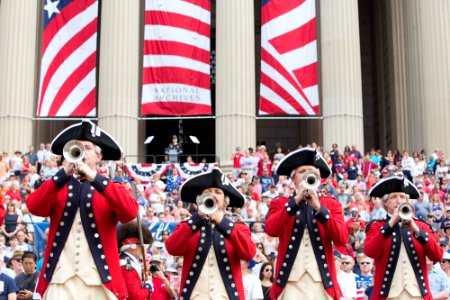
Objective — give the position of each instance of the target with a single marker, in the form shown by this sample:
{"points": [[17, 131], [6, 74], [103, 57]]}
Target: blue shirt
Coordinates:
{"points": [[438, 280], [9, 286]]}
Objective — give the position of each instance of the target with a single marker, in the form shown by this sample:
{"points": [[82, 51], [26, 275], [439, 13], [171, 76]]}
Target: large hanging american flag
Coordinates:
{"points": [[69, 58], [176, 76], [289, 78]]}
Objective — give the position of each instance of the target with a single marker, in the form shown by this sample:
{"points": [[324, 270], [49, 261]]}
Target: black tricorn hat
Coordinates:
{"points": [[130, 232], [394, 184], [88, 131], [194, 186], [303, 157]]}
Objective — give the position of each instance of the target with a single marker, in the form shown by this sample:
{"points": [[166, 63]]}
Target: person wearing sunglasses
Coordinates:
{"points": [[266, 277], [345, 279], [398, 245], [364, 280], [445, 264]]}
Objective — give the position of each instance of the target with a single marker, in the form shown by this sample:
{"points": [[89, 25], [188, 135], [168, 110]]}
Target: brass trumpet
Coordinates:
{"points": [[207, 203], [73, 151], [405, 211]]}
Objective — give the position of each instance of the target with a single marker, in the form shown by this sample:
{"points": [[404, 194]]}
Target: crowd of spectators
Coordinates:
{"points": [[354, 173]]}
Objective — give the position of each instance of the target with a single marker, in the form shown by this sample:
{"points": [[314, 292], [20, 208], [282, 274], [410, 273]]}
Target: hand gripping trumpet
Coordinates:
{"points": [[310, 181], [207, 204]]}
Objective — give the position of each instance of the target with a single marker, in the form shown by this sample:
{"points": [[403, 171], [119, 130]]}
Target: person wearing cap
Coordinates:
{"points": [[84, 207], [251, 282], [400, 247], [212, 245], [163, 288], [445, 264], [345, 279], [131, 254], [306, 227], [445, 222]]}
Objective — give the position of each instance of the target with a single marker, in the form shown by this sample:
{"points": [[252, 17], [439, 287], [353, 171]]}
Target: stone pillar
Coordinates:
{"points": [[414, 74], [120, 65], [341, 74], [18, 76], [235, 78], [435, 41]]}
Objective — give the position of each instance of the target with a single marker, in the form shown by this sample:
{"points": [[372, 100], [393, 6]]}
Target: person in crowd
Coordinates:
{"points": [[236, 157], [9, 290], [421, 208], [132, 253], [445, 264], [12, 220], [84, 209], [15, 263], [355, 217], [162, 288], [22, 245], [352, 172], [251, 283], [173, 181], [266, 278], [27, 280], [211, 243], [437, 208], [399, 247], [306, 226], [103, 169], [346, 280], [439, 283], [378, 212], [364, 280], [445, 222]]}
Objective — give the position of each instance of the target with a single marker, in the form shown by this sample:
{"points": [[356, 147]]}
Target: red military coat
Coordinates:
{"points": [[130, 269], [231, 241], [102, 204], [383, 245], [286, 219]]}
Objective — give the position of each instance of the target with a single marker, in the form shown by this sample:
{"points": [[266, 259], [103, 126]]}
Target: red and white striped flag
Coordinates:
{"points": [[289, 78], [69, 57], [176, 76]]}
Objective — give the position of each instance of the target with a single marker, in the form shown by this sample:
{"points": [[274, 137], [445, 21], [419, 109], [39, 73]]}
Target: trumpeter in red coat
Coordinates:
{"points": [[100, 205], [289, 217], [400, 247], [203, 237]]}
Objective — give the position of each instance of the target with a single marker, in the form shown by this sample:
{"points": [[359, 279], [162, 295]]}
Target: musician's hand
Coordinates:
{"points": [[310, 196], [86, 172], [395, 219], [69, 168]]}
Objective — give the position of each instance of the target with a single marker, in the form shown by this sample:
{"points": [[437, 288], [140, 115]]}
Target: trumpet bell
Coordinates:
{"points": [[207, 204], [405, 211], [311, 180], [73, 151]]}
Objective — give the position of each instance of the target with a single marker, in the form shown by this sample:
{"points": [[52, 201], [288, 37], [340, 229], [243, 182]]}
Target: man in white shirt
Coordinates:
{"points": [[252, 284], [346, 280]]}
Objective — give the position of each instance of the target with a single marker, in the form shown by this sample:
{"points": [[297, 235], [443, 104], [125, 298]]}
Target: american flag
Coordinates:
{"points": [[176, 75], [69, 57], [289, 80]]}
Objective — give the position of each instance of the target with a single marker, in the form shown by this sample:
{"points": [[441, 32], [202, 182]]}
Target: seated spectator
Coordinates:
{"points": [[150, 216], [344, 198], [354, 218], [378, 212], [9, 289], [168, 215], [22, 245], [364, 280], [421, 208], [445, 221], [438, 280], [357, 238], [445, 264], [266, 181], [346, 280], [266, 277], [272, 192], [173, 181], [251, 283], [26, 281], [15, 263]]}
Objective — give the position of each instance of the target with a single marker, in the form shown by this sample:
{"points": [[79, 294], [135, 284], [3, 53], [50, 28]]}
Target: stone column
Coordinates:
{"points": [[18, 77], [120, 65], [341, 74], [235, 78], [397, 75], [435, 41]]}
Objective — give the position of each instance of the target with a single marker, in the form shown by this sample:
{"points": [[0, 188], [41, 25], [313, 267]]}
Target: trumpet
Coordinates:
{"points": [[405, 211], [310, 180], [207, 203], [73, 151]]}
